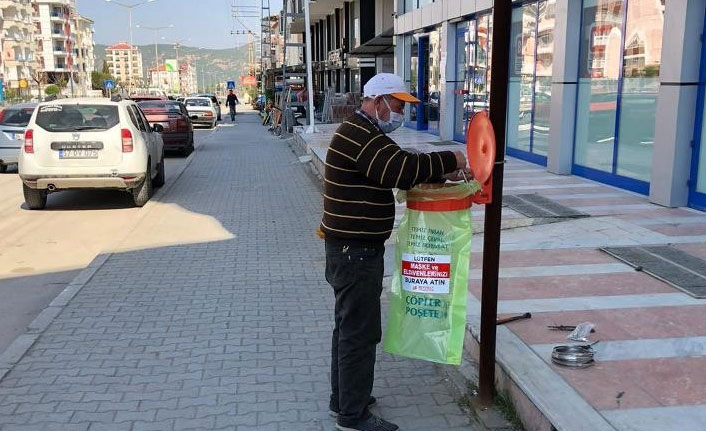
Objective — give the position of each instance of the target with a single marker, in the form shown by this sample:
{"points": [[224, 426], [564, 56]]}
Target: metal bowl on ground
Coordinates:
{"points": [[576, 356]]}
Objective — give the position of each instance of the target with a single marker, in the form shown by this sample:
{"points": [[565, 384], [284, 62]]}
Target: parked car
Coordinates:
{"points": [[144, 97], [178, 131], [13, 121], [90, 143], [202, 110], [216, 103]]}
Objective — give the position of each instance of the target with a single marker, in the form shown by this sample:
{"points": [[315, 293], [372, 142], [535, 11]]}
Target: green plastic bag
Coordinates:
{"points": [[427, 302]]}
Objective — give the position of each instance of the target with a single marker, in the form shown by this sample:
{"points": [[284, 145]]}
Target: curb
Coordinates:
{"points": [[21, 345]]}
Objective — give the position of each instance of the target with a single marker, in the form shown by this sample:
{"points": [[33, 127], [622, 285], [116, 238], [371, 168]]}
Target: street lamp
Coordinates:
{"points": [[155, 30], [177, 44], [129, 8]]}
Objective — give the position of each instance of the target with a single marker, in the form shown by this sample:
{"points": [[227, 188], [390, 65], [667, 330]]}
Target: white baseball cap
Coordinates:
{"points": [[388, 84]]}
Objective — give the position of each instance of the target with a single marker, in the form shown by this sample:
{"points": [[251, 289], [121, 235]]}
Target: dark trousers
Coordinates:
{"points": [[355, 271], [232, 112]]}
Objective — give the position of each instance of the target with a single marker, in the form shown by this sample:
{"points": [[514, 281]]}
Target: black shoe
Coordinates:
{"points": [[373, 423], [333, 412]]}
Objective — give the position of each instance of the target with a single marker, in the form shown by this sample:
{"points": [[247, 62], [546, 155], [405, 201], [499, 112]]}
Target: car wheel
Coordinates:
{"points": [[142, 193], [159, 179], [3, 168], [35, 199]]}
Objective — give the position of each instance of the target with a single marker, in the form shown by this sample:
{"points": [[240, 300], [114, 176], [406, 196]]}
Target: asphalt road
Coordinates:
{"points": [[42, 251]]}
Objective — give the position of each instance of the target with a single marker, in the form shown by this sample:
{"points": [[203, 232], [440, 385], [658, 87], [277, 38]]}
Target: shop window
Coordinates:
{"points": [[472, 86], [621, 48], [530, 83]]}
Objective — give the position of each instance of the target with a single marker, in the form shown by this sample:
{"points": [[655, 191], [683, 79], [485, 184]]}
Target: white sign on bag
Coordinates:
{"points": [[426, 273]]}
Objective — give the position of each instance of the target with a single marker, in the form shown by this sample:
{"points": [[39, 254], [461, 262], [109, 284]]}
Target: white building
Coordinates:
{"points": [[125, 63], [17, 42], [83, 52], [189, 81], [54, 38], [167, 78]]}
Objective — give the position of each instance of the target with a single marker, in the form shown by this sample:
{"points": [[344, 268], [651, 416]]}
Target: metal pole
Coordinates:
{"points": [[129, 14], [502, 20], [156, 54], [309, 82]]}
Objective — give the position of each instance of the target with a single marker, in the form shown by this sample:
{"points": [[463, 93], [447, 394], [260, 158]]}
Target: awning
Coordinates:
{"points": [[379, 46]]}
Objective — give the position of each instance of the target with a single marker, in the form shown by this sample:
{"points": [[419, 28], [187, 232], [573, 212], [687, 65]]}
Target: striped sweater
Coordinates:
{"points": [[363, 165]]}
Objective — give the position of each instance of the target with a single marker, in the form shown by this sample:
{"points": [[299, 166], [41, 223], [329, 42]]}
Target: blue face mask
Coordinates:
{"points": [[395, 121]]}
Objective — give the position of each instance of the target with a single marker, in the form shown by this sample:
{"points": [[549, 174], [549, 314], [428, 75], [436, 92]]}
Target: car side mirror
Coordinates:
{"points": [[158, 128]]}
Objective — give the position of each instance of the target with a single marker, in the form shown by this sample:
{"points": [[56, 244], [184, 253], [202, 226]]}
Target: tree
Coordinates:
{"points": [[105, 70], [39, 78], [52, 90]]}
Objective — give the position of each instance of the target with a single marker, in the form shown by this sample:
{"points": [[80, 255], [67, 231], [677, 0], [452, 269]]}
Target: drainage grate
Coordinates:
{"points": [[675, 267], [536, 206]]}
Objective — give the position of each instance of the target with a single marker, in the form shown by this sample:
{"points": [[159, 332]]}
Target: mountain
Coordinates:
{"points": [[226, 63]]}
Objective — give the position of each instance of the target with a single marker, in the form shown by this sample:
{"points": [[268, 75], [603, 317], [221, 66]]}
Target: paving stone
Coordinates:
{"points": [[230, 334]]}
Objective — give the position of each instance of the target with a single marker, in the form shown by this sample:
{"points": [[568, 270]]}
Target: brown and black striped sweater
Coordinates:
{"points": [[363, 165]]}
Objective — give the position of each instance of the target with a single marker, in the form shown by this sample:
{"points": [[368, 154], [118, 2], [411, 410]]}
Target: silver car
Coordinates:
{"points": [[13, 121]]}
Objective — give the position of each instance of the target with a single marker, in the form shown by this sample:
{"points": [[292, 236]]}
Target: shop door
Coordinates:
{"points": [[419, 114]]}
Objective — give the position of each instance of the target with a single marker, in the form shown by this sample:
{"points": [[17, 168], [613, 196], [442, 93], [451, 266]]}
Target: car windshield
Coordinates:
{"points": [[161, 106], [197, 102], [16, 116], [71, 118]]}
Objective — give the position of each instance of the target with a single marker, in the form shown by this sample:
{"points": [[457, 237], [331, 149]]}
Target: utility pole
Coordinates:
{"points": [[502, 23]]}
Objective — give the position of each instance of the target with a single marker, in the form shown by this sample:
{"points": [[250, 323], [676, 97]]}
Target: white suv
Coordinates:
{"points": [[90, 144]]}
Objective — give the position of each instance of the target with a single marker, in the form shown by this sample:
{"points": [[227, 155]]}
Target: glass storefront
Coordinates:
{"points": [[529, 87], [621, 50], [472, 80], [697, 181], [425, 80]]}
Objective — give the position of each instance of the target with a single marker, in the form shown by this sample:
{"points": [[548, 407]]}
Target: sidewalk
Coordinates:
{"points": [[649, 373], [227, 327]]}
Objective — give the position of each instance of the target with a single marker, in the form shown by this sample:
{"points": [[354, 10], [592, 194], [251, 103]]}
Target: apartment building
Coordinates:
{"points": [[351, 41], [55, 40], [125, 63], [17, 41], [83, 52]]}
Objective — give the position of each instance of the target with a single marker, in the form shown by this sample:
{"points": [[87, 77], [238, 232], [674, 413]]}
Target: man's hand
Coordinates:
{"points": [[460, 160], [459, 175]]}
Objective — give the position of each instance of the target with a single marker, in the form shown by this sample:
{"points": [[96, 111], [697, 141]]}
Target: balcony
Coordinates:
{"points": [[59, 35]]}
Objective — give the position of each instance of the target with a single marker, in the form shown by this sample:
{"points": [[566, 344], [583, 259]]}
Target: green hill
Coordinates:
{"points": [[226, 63]]}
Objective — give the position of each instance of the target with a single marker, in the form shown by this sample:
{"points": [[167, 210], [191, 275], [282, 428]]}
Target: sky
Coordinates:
{"points": [[198, 23]]}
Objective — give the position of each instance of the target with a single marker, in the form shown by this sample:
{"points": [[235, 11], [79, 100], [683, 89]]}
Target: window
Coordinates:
{"points": [[71, 118], [529, 90], [621, 50], [16, 116]]}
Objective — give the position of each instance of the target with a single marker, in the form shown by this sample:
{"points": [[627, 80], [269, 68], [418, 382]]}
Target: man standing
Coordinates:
{"points": [[231, 101], [363, 165]]}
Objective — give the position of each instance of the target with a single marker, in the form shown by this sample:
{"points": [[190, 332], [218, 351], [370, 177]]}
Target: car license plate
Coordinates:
{"points": [[78, 154]]}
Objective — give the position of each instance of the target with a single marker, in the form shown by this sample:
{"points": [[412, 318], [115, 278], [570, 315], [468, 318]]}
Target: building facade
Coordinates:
{"points": [[17, 41], [83, 53], [55, 40], [611, 90], [125, 63], [188, 79]]}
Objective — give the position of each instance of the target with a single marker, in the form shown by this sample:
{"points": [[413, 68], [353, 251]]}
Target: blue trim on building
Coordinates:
{"points": [[637, 186], [696, 199], [527, 156]]}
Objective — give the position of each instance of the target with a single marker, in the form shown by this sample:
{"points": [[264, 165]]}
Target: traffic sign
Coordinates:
{"points": [[230, 85], [108, 84]]}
